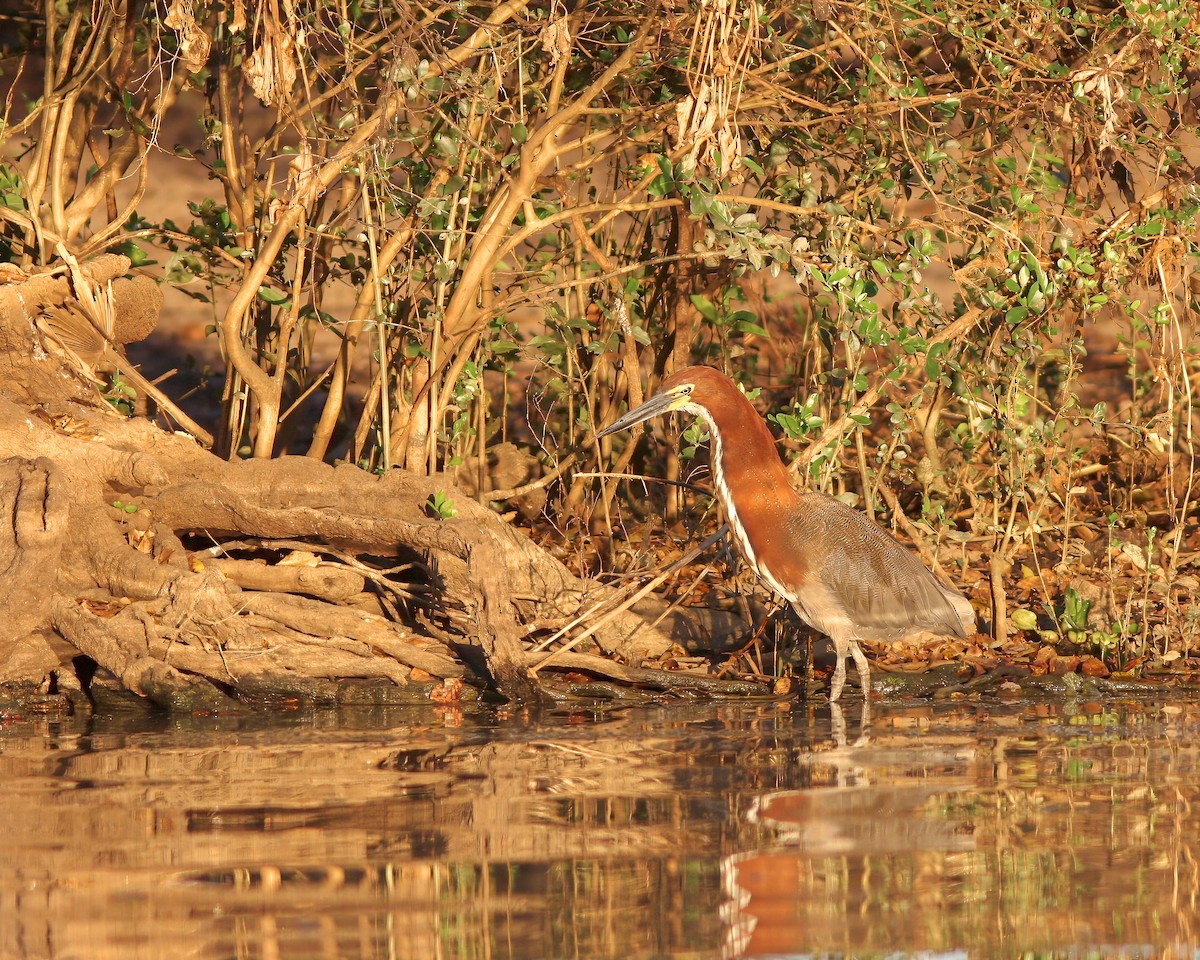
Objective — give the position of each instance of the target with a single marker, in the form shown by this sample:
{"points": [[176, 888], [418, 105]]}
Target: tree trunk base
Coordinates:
{"points": [[192, 580]]}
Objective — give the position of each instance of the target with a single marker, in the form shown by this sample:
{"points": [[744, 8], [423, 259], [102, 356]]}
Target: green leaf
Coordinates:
{"points": [[182, 268], [660, 186], [1075, 609], [440, 506], [137, 256], [705, 307], [271, 295], [550, 346]]}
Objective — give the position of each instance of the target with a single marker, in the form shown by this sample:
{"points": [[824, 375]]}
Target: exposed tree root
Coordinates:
{"points": [[186, 576]]}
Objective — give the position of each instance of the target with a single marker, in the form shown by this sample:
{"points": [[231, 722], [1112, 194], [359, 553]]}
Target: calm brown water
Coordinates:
{"points": [[1069, 829]]}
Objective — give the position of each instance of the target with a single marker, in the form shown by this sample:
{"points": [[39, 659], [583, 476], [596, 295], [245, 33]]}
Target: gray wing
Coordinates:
{"points": [[880, 585]]}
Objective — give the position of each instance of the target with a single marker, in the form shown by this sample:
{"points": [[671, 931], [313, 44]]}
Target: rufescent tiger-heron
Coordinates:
{"points": [[843, 574]]}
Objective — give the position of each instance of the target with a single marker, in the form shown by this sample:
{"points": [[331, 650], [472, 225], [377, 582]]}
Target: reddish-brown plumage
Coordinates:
{"points": [[843, 574], [746, 463]]}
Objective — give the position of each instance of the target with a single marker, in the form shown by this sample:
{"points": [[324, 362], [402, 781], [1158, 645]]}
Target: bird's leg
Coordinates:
{"points": [[864, 669], [838, 680]]}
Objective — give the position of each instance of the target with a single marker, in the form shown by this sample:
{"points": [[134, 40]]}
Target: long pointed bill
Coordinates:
{"points": [[651, 408]]}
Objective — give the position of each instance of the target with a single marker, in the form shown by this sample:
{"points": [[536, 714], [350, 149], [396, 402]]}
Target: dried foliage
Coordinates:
{"points": [[954, 243]]}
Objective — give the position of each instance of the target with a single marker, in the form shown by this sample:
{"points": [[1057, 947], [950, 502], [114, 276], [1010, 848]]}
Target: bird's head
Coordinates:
{"points": [[697, 390]]}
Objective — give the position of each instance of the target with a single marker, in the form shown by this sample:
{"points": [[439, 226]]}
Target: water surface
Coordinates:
{"points": [[729, 830]]}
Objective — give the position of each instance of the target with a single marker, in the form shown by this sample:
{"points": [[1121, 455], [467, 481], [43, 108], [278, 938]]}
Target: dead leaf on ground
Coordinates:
{"points": [[449, 692]]}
